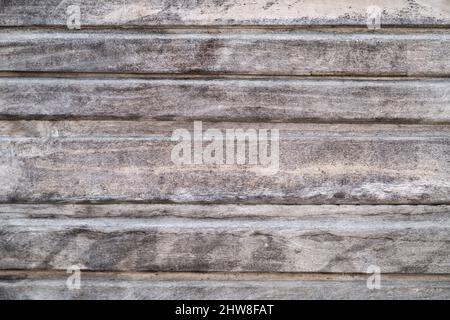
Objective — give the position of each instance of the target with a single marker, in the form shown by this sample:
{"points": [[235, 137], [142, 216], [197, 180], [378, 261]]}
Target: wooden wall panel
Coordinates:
{"points": [[229, 12], [258, 239], [132, 161], [140, 286], [87, 179], [288, 100], [221, 211], [299, 53]]}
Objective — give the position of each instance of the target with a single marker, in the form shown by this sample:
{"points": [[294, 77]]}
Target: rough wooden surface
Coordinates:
{"points": [[300, 239], [304, 52], [321, 100], [232, 211], [227, 12], [198, 286], [131, 161], [364, 172]]}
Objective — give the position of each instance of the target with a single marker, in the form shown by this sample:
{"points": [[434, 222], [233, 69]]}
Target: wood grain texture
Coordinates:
{"points": [[298, 53], [217, 211], [249, 239], [324, 100], [104, 161], [198, 286], [227, 12], [364, 152]]}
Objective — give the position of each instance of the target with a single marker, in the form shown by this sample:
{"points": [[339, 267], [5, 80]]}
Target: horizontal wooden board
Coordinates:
{"points": [[324, 239], [328, 100], [228, 12], [222, 211], [198, 286], [230, 52], [77, 161]]}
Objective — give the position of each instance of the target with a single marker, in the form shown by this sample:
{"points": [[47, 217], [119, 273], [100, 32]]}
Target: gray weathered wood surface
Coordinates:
{"points": [[317, 100], [183, 286], [227, 12], [218, 211], [131, 161], [303, 52], [86, 176], [252, 238]]}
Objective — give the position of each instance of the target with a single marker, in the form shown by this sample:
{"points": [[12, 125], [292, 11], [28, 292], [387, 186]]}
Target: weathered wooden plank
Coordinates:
{"points": [[383, 233], [132, 161], [230, 52], [218, 211], [405, 239], [328, 100], [229, 12], [408, 241], [218, 290], [17, 285]]}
